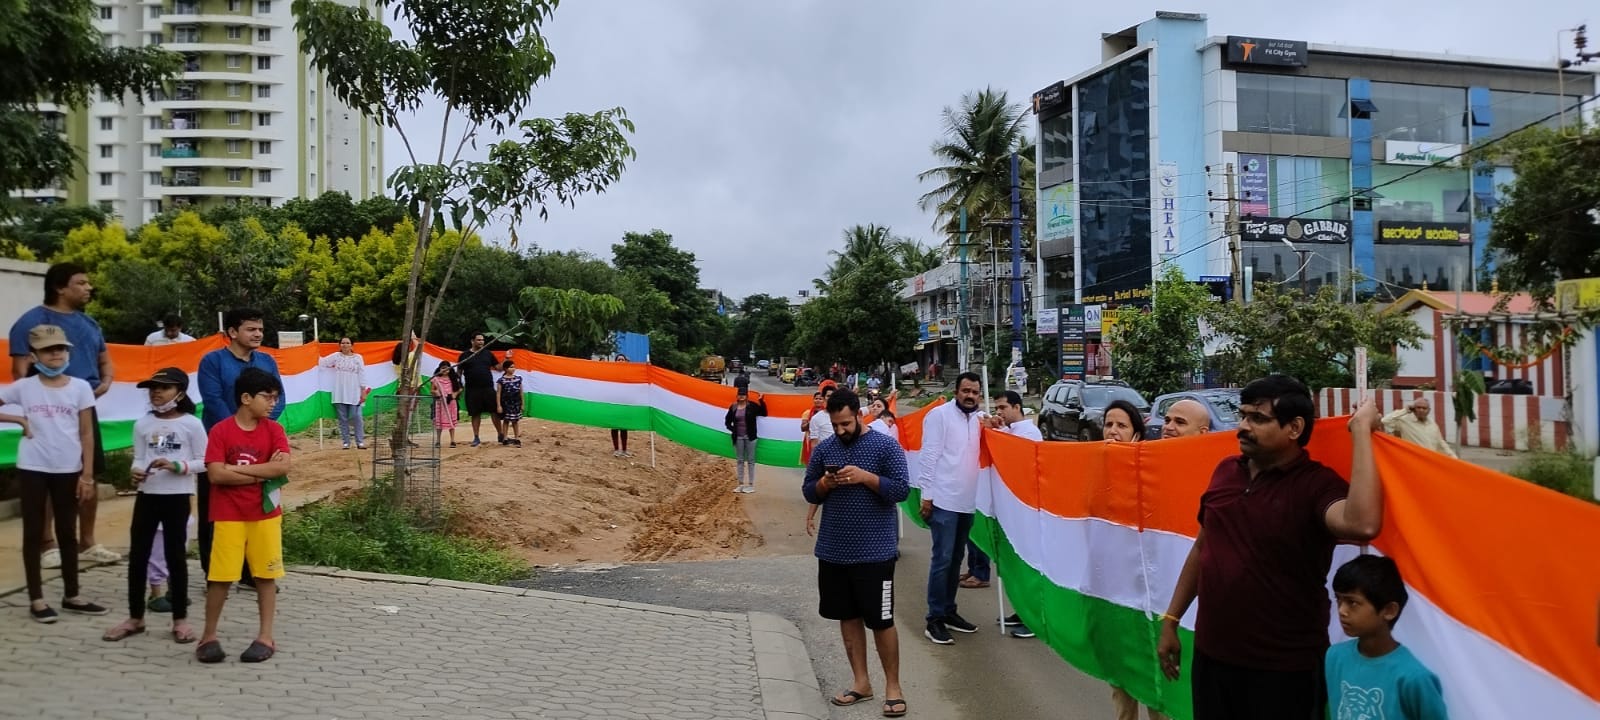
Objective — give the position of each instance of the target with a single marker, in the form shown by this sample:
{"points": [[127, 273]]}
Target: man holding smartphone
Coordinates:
{"points": [[858, 477]]}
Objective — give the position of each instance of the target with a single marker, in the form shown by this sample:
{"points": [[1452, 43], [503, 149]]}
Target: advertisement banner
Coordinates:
{"points": [[1423, 233], [1254, 186], [1405, 152], [1164, 214], [1266, 51], [1047, 323], [1056, 208], [1296, 230], [1072, 343]]}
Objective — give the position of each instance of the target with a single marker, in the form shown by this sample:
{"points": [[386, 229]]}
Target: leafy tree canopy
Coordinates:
{"points": [[1158, 352]]}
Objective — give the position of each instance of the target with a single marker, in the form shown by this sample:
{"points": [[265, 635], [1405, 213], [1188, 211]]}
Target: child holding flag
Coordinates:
{"points": [[247, 460]]}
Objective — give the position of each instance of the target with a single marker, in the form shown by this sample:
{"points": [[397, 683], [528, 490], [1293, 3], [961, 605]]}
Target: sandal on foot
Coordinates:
{"points": [[210, 653], [972, 582], [889, 705], [122, 631], [257, 652], [182, 634], [848, 698]]}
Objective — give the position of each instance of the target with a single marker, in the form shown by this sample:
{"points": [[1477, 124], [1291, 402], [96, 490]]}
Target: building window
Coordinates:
{"points": [[155, 207], [1420, 113], [263, 91], [234, 89], [235, 61], [1426, 195], [1290, 105], [1306, 268], [105, 151], [105, 179], [263, 34], [105, 13], [263, 119], [105, 123], [235, 32], [155, 151], [1055, 150], [263, 7], [107, 207], [155, 12], [264, 176], [235, 5], [153, 38], [1281, 187], [264, 147], [263, 63], [235, 175], [233, 146], [1513, 111], [155, 123], [233, 117], [1113, 110], [153, 178]]}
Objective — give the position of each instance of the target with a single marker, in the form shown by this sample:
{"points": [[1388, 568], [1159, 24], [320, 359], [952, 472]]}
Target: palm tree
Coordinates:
{"points": [[861, 243], [914, 257], [980, 136]]}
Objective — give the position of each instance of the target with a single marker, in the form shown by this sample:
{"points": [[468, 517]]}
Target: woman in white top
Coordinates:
{"points": [[349, 390]]}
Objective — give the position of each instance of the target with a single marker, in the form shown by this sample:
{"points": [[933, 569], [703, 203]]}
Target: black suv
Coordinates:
{"points": [[1073, 409]]}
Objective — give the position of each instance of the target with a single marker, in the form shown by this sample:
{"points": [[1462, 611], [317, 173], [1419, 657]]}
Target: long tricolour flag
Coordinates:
{"points": [[627, 396], [1504, 575]]}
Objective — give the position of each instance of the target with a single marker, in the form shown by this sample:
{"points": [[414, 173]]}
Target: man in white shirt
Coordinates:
{"points": [[171, 333], [1412, 424], [1009, 418], [947, 473]]}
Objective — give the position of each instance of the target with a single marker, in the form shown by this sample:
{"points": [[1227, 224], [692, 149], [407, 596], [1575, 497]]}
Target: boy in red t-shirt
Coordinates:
{"points": [[247, 457]]}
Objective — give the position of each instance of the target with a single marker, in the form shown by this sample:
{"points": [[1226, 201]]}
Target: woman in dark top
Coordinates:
{"points": [[741, 424]]}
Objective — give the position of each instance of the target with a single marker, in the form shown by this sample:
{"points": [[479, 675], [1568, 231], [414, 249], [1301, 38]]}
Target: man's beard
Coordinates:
{"points": [[852, 436]]}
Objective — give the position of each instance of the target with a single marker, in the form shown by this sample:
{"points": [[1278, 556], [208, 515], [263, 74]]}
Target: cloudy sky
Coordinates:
{"points": [[767, 127]]}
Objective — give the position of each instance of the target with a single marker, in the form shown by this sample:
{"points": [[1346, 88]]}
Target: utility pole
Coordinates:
{"points": [[1233, 237], [963, 343], [1016, 256]]}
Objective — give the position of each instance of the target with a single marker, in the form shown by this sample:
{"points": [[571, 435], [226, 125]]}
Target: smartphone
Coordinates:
{"points": [[834, 468]]}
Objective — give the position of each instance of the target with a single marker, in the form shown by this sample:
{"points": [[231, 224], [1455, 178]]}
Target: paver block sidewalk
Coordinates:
{"points": [[352, 648]]}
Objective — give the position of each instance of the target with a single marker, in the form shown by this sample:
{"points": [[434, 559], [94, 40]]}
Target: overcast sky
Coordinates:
{"points": [[766, 128]]}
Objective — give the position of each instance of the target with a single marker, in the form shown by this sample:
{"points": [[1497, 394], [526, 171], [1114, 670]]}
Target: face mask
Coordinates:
{"points": [[49, 372], [166, 406]]}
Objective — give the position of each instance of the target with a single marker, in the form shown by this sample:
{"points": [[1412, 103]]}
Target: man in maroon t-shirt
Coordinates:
{"points": [[1268, 525]]}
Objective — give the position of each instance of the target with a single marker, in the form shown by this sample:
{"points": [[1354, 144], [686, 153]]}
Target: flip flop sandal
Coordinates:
{"points": [[887, 704], [972, 582], [122, 632], [183, 636], [210, 653], [854, 696], [257, 652]]}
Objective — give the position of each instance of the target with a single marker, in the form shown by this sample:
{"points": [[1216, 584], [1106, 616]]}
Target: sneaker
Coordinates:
{"points": [[738, 488], [749, 489], [100, 554], [83, 608], [51, 559], [959, 624], [1010, 621], [938, 634], [346, 446], [627, 454], [476, 442], [359, 446], [159, 604], [46, 616], [616, 453], [1021, 631]]}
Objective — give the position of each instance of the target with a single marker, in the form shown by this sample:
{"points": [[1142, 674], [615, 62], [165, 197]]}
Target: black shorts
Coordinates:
{"points": [[862, 591], [99, 445], [480, 400], [1223, 691]]}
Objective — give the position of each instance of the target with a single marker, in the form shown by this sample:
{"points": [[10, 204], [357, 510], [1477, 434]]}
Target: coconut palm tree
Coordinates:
{"points": [[914, 257], [980, 135], [861, 243]]}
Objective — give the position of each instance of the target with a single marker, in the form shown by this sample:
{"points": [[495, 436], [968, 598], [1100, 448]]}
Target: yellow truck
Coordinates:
{"points": [[712, 367]]}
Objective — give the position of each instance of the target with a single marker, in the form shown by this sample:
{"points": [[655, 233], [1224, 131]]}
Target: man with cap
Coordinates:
{"points": [[66, 293]]}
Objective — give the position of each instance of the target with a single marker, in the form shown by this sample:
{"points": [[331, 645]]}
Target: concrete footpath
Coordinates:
{"points": [[361, 645]]}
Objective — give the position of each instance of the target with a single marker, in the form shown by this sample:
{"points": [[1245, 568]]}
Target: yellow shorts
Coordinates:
{"points": [[235, 541]]}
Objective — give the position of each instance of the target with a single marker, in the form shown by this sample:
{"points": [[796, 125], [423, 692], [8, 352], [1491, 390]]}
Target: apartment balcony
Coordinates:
{"points": [[184, 9], [179, 152]]}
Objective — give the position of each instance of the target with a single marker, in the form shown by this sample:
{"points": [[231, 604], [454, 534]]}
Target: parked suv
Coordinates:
{"points": [[1074, 409]]}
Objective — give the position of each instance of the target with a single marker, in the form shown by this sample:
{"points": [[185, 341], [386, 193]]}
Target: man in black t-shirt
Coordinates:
{"points": [[477, 376]]}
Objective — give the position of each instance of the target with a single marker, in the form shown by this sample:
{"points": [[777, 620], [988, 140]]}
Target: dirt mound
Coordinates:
{"points": [[562, 497]]}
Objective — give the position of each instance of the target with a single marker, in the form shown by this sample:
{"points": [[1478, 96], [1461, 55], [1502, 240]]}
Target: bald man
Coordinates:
{"points": [[1185, 418], [1412, 424]]}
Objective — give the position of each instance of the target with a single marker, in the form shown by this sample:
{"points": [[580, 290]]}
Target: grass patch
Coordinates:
{"points": [[1563, 472], [366, 532]]}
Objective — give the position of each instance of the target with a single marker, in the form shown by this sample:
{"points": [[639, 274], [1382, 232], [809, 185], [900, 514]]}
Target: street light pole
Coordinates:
{"points": [[1016, 256]]}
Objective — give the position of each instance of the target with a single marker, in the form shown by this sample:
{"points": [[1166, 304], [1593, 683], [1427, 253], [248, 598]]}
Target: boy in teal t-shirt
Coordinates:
{"points": [[1373, 676]]}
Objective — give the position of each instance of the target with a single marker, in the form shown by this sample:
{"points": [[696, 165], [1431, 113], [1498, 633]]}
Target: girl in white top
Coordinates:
{"points": [[54, 461], [169, 450]]}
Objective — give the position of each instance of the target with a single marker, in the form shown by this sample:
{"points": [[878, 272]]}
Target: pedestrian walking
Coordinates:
{"points": [[1268, 524], [349, 391], [858, 478], [67, 292], [948, 476], [508, 403], [443, 386], [619, 437], [169, 449], [741, 422], [477, 367]]}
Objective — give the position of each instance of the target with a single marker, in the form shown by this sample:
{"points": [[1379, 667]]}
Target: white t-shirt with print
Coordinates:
{"points": [[180, 439], [52, 414]]}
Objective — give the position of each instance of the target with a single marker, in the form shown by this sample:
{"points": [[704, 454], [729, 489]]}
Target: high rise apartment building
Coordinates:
{"points": [[247, 120]]}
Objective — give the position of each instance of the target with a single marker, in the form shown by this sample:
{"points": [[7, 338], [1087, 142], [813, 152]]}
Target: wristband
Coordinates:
{"points": [[1168, 616]]}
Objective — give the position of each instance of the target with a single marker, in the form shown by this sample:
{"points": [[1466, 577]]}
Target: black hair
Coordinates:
{"points": [[1288, 397], [239, 316], [1377, 578], [844, 398], [968, 375], [172, 321], [254, 381], [507, 365], [455, 379], [1135, 418], [1011, 396], [59, 276], [887, 413], [186, 404]]}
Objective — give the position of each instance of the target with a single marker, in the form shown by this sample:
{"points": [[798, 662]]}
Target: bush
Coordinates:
{"points": [[1563, 472], [366, 532]]}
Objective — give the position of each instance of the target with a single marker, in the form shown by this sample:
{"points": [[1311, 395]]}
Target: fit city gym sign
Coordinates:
{"points": [[1423, 233], [1405, 152], [1266, 51]]}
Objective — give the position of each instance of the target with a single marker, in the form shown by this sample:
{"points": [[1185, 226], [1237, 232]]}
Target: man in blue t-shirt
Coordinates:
{"points": [[66, 293], [858, 478], [219, 369]]}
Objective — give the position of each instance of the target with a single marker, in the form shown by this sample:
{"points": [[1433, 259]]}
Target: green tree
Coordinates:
{"points": [[1312, 338], [861, 243], [1158, 352], [558, 321], [974, 172], [1546, 228], [41, 229], [52, 53], [488, 279], [862, 321], [915, 258], [691, 327]]}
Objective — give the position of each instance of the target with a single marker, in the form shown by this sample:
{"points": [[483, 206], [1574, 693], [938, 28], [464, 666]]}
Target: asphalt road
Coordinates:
{"points": [[983, 675]]}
